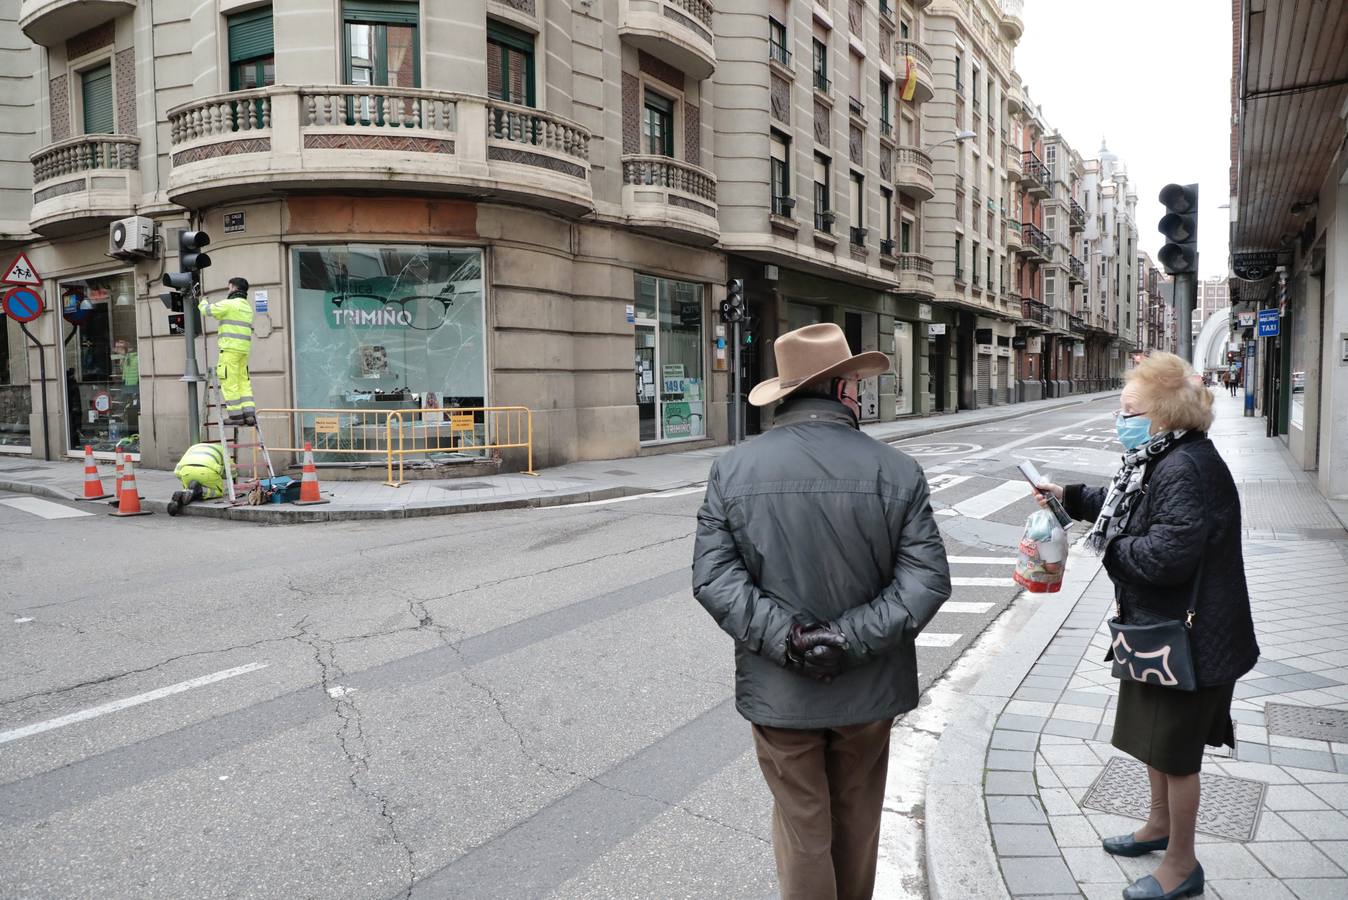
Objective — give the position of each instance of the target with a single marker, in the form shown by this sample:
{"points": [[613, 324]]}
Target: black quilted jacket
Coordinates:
{"points": [[1182, 545]]}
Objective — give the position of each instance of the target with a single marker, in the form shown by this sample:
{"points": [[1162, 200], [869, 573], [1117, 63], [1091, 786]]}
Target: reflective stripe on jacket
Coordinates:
{"points": [[208, 456], [235, 315]]}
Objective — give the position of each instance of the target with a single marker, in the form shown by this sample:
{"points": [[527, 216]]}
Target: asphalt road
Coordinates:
{"points": [[518, 704]]}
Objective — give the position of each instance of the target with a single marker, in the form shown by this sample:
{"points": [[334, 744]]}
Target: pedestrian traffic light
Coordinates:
{"points": [[732, 307], [190, 257], [1179, 225], [172, 300]]}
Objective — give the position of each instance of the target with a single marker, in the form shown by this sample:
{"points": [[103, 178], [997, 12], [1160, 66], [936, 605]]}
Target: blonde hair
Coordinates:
{"points": [[1172, 394]]}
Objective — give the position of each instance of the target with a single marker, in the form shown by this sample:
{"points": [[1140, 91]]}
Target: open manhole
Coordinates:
{"points": [[1312, 723], [1229, 807], [467, 486]]}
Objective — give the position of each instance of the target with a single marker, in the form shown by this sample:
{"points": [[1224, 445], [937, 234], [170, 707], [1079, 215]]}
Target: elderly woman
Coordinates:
{"points": [[1168, 527]]}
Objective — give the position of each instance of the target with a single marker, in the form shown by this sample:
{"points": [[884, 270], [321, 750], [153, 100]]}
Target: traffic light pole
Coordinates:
{"points": [[737, 407], [1186, 290], [191, 373]]}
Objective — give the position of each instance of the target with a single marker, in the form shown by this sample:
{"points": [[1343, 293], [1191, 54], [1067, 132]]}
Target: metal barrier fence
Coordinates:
{"points": [[379, 435]]}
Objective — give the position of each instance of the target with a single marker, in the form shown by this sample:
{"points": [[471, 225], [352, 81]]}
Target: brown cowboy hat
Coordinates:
{"points": [[815, 353]]}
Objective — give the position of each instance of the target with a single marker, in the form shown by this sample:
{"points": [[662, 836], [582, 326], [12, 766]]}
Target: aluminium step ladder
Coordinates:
{"points": [[230, 445]]}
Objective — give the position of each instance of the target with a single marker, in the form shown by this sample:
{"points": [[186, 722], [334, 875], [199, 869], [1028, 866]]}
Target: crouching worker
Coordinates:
{"points": [[202, 473]]}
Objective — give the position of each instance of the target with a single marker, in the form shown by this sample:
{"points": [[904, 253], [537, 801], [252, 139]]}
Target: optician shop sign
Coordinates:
{"points": [[372, 318]]}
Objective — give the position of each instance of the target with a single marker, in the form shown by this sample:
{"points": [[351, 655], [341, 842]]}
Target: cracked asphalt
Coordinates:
{"points": [[518, 704]]}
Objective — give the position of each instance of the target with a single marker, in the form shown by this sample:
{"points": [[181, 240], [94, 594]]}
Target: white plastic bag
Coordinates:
{"points": [[1042, 560]]}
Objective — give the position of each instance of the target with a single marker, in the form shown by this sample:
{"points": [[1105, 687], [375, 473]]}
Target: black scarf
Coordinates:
{"points": [[1126, 488]]}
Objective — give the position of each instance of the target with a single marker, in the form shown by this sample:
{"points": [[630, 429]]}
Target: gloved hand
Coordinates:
{"points": [[816, 650]]}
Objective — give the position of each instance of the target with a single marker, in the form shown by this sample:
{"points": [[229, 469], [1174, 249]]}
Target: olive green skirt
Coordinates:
{"points": [[1168, 729]]}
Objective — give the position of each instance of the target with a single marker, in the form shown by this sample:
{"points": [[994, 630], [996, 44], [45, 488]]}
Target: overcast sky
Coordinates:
{"points": [[1098, 69]]}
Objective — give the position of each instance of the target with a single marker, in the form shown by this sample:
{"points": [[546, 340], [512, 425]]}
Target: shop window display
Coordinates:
{"points": [[16, 394], [102, 364], [389, 327], [670, 392]]}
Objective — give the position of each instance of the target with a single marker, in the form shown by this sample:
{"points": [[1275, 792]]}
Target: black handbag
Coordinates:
{"points": [[1152, 649]]}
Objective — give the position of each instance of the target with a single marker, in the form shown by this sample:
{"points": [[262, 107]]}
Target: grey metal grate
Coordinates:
{"points": [[1312, 723], [1229, 807]]}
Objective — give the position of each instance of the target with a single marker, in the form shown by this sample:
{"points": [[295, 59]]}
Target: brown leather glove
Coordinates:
{"points": [[818, 651]]}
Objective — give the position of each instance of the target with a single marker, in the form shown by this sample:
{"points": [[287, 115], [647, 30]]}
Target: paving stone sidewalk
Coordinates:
{"points": [[580, 482], [1274, 818]]}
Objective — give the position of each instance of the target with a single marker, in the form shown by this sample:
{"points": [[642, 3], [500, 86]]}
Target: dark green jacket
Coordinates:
{"points": [[816, 522]]}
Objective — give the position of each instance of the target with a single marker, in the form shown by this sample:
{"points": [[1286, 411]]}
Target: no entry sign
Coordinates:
{"points": [[23, 304]]}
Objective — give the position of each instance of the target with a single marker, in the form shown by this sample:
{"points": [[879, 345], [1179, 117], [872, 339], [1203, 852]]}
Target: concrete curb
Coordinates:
{"points": [[961, 861]]}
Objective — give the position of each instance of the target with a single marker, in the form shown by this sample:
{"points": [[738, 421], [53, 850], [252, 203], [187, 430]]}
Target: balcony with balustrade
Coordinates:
{"points": [[1038, 316], [1013, 163], [678, 32], [1015, 95], [1035, 176], [1014, 241], [906, 50], [915, 276], [1013, 19], [344, 137], [1035, 245], [913, 173], [1076, 270], [1076, 217], [670, 198], [84, 183], [50, 23]]}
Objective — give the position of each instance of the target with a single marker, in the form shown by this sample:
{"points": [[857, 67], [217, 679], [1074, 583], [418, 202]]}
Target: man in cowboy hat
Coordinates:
{"points": [[818, 552]]}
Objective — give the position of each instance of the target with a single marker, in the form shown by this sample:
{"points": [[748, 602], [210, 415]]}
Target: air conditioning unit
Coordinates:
{"points": [[131, 237]]}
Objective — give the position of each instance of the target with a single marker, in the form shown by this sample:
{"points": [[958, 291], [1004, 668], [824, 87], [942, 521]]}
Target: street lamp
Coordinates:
{"points": [[958, 137]]}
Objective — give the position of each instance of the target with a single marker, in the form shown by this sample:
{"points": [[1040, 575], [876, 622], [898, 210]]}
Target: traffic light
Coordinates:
{"points": [[172, 300], [190, 257], [178, 283], [1179, 225], [732, 307]]}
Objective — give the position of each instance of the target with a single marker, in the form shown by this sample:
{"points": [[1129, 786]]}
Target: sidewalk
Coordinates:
{"points": [[580, 482], [1032, 783]]}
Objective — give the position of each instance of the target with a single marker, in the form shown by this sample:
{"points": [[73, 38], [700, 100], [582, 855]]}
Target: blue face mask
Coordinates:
{"points": [[1133, 431]]}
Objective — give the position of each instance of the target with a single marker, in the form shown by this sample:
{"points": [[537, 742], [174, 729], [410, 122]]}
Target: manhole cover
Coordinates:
{"points": [[618, 472], [1229, 807], [1313, 723], [469, 486]]}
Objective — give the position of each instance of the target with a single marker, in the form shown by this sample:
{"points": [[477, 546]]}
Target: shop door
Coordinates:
{"points": [[645, 379], [938, 355], [862, 333], [984, 395], [965, 349]]}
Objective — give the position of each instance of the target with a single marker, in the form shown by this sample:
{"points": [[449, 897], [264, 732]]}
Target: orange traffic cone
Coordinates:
{"points": [[129, 501], [117, 491], [93, 487], [309, 480]]}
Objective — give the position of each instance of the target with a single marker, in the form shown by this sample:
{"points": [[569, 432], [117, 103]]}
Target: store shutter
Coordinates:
{"points": [[96, 86], [1004, 381], [250, 35], [984, 380]]}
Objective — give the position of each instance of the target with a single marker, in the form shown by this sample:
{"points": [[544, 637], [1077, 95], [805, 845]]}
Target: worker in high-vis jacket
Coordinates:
{"points": [[234, 340], [202, 473]]}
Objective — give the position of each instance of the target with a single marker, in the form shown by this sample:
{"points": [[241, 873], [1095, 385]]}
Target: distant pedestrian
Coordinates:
{"points": [[817, 551], [1169, 531]]}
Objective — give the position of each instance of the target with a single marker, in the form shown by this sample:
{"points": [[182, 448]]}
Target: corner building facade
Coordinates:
{"points": [[436, 204]]}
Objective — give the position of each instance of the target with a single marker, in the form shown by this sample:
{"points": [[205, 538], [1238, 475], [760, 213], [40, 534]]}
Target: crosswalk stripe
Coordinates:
{"points": [[981, 560], [941, 482], [964, 606], [44, 508], [982, 505], [936, 639], [970, 581]]}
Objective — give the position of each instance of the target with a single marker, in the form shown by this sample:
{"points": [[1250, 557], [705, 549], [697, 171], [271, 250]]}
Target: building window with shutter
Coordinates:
{"points": [[823, 208], [858, 210], [820, 63], [782, 201], [658, 124], [510, 64], [96, 100], [382, 48], [252, 54]]}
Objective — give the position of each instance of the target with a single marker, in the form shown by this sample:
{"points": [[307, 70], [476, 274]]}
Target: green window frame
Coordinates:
{"points": [[252, 50], [510, 52], [886, 125], [819, 63], [96, 95], [379, 17], [657, 124]]}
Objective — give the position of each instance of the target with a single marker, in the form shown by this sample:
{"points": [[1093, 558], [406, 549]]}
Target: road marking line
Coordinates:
{"points": [[23, 620], [941, 482], [654, 495], [963, 606], [993, 452], [936, 639], [981, 560], [961, 581], [985, 504], [44, 508], [117, 705]]}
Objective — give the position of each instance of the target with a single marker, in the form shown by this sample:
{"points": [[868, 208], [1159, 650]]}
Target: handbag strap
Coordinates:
{"points": [[1192, 611]]}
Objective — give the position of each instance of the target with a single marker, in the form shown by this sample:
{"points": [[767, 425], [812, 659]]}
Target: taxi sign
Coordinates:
{"points": [[23, 304], [1268, 323]]}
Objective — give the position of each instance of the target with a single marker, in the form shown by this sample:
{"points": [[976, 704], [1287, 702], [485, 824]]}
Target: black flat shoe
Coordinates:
{"points": [[1148, 888], [1127, 845]]}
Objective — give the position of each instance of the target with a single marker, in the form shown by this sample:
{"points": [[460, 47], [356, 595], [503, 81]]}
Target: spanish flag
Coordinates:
{"points": [[910, 80]]}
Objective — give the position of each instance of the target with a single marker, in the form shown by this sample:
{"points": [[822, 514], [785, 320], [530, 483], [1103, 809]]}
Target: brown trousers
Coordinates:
{"points": [[828, 786]]}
